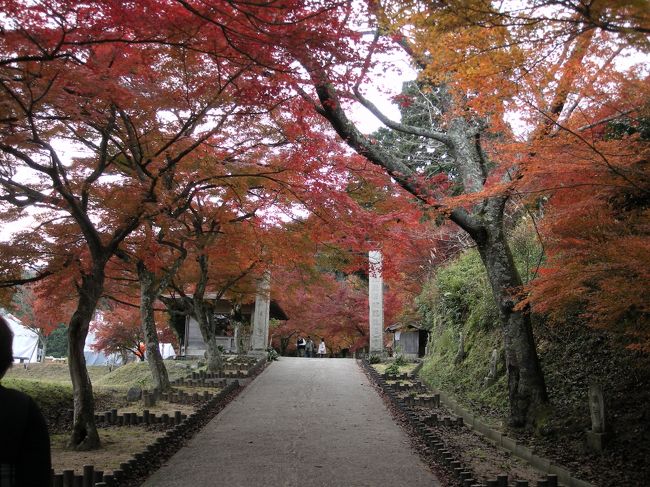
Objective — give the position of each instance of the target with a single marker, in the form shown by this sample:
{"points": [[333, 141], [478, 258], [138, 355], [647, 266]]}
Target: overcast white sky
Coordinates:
{"points": [[385, 85]]}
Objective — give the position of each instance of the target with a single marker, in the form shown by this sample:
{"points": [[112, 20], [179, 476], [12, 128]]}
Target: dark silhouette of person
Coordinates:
{"points": [[309, 347], [24, 441]]}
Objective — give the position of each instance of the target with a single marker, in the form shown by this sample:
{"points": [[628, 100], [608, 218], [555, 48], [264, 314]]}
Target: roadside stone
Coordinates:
{"points": [[597, 436], [492, 372], [134, 394]]}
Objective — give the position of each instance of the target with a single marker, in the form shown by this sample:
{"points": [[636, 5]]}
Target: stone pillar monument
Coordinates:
{"points": [[376, 302], [260, 318]]}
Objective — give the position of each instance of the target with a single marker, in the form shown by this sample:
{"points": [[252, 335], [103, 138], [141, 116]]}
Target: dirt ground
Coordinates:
{"points": [[118, 445]]}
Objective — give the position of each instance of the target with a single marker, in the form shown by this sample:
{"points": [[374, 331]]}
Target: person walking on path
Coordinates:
{"points": [[322, 350], [309, 347], [25, 446], [300, 346]]}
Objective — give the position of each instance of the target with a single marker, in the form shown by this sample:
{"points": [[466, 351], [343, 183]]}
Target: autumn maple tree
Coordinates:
{"points": [[117, 114], [118, 331], [33, 306], [490, 62], [594, 228], [568, 71], [556, 68], [129, 126]]}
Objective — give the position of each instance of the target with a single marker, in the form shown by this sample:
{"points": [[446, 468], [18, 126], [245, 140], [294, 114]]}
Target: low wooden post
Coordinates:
{"points": [[88, 475], [68, 478], [99, 476]]}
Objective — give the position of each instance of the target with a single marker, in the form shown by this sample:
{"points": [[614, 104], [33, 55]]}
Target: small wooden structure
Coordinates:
{"points": [[409, 339], [189, 333]]}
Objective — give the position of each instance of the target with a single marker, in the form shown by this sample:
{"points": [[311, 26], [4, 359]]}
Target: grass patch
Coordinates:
{"points": [[129, 375], [118, 445], [200, 389], [160, 408], [53, 373], [46, 395], [55, 400], [138, 374], [50, 386], [459, 300]]}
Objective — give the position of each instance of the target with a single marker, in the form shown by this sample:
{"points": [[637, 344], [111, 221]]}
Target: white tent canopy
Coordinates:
{"points": [[166, 350], [25, 344], [98, 358]]}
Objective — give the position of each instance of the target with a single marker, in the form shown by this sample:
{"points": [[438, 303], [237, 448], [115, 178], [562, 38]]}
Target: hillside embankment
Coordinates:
{"points": [[458, 302]]}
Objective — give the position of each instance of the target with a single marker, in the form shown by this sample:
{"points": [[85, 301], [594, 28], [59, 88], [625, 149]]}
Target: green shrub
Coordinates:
{"points": [[374, 359], [465, 297], [272, 354], [57, 342], [400, 360], [392, 369], [526, 251]]}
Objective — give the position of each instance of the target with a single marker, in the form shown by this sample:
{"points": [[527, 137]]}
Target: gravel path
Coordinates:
{"points": [[302, 422]]}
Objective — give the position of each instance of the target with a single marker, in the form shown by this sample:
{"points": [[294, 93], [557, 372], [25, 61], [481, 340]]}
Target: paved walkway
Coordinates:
{"points": [[302, 422]]}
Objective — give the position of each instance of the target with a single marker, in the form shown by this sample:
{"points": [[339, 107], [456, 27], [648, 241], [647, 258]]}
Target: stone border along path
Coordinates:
{"points": [[302, 422], [517, 449], [133, 471], [421, 412]]}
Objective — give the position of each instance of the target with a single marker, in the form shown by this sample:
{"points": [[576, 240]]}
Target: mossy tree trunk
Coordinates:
{"points": [[526, 386]]}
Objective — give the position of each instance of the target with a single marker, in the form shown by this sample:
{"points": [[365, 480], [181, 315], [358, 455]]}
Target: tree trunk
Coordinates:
{"points": [[526, 386], [84, 431], [214, 359], [208, 332], [284, 344], [148, 295], [243, 339], [43, 340]]}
